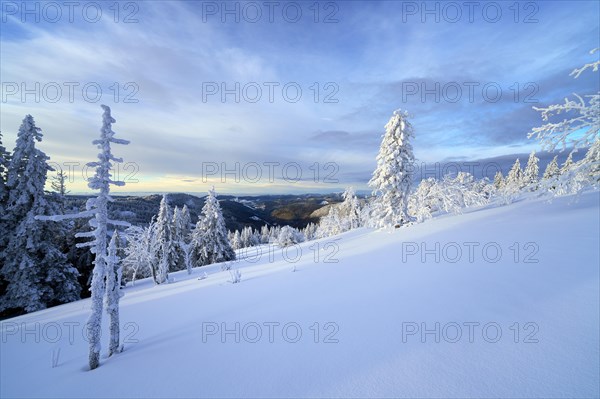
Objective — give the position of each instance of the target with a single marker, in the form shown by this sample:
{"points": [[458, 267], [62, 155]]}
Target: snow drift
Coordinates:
{"points": [[496, 302]]}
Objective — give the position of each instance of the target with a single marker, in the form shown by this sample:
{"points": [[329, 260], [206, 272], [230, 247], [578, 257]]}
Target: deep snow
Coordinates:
{"points": [[372, 298]]}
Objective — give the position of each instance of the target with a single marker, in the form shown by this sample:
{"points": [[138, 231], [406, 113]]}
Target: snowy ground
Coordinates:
{"points": [[370, 307]]}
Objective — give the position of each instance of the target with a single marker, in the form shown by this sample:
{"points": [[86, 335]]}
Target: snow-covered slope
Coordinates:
{"points": [[366, 306]]}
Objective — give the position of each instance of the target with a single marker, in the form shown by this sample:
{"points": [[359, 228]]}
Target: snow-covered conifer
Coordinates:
{"points": [[4, 160], [532, 170], [274, 233], [37, 273], [97, 211], [4, 223], [181, 235], [264, 234], [498, 180], [164, 248], [59, 185], [567, 164], [350, 209], [186, 219], [552, 169], [392, 180], [590, 164], [245, 237], [331, 224], [310, 231], [236, 240], [515, 176], [210, 236]]}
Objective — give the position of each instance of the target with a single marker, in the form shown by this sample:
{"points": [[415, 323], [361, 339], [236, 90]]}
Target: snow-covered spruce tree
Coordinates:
{"points": [[274, 233], [552, 171], [113, 292], [332, 223], [581, 175], [568, 164], [252, 237], [59, 185], [35, 270], [236, 241], [245, 237], [184, 235], [350, 209], [181, 236], [264, 234], [365, 213], [186, 220], [392, 180], [4, 231], [210, 236], [590, 164], [4, 160], [532, 171], [97, 211], [515, 176], [580, 125], [164, 248], [310, 231], [498, 180], [176, 223], [512, 184]]}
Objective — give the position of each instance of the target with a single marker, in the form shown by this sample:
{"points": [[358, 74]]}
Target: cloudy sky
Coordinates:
{"points": [[300, 90]]}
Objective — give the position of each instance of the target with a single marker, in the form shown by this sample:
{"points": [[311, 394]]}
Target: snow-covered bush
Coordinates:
{"points": [[236, 276], [289, 236], [450, 195], [138, 252]]}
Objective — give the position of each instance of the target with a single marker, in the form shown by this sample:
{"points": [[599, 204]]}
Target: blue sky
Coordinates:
{"points": [[354, 63]]}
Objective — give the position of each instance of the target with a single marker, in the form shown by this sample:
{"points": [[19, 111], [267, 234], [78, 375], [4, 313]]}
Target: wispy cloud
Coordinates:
{"points": [[350, 73]]}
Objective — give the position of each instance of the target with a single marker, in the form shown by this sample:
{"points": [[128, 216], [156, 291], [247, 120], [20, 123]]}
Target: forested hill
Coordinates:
{"points": [[255, 211]]}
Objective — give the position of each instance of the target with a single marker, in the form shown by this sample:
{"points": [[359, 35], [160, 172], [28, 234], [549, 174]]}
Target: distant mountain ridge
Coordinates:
{"points": [[238, 211]]}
